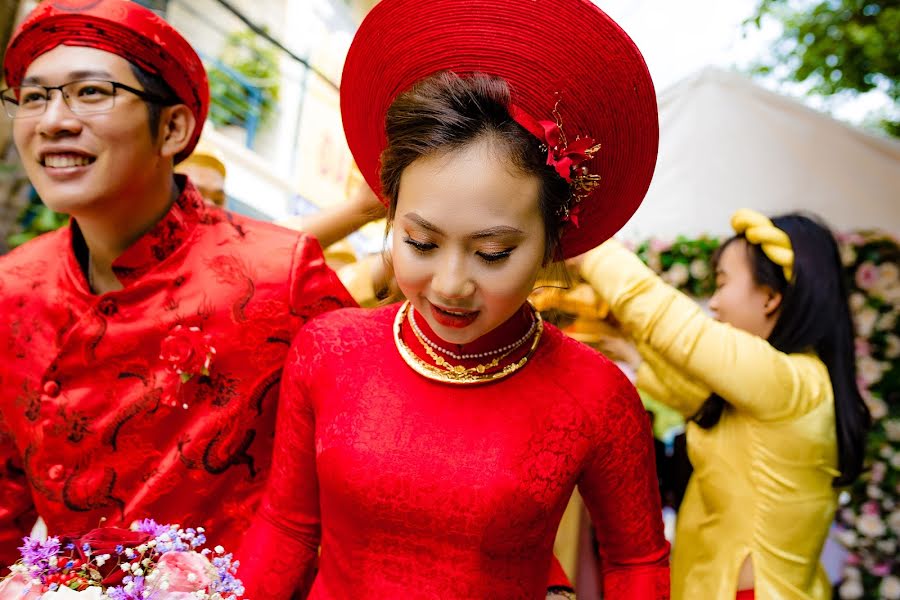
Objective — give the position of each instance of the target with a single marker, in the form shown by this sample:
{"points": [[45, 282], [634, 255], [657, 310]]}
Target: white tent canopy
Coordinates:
{"points": [[726, 143]]}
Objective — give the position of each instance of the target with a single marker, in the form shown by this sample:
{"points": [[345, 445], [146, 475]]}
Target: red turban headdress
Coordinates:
{"points": [[569, 66], [120, 27]]}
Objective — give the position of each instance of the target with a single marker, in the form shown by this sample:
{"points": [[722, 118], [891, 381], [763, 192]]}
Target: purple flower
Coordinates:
{"points": [[36, 555], [152, 527], [132, 588]]}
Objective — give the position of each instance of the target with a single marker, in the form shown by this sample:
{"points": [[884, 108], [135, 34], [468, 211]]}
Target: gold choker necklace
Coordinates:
{"points": [[458, 374]]}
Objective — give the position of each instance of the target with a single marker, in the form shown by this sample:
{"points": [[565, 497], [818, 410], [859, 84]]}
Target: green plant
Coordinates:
{"points": [[35, 220], [244, 81]]}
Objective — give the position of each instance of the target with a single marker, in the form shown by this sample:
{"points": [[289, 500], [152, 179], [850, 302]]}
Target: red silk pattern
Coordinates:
{"points": [[121, 27], [84, 433], [420, 489]]}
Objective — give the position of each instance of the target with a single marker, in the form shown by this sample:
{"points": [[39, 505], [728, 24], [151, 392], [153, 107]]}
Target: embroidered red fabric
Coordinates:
{"points": [[421, 489], [85, 432]]}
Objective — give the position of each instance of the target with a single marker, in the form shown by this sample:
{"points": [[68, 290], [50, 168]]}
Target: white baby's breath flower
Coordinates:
{"points": [[219, 550]]}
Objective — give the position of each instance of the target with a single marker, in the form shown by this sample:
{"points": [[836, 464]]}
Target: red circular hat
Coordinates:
{"points": [[121, 27], [564, 54]]}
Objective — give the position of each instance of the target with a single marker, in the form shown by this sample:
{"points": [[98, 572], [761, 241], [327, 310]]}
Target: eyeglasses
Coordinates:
{"points": [[83, 97]]}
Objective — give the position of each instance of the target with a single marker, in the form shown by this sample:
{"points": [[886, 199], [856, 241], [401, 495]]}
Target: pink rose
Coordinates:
{"points": [[659, 246], [186, 571], [13, 588], [866, 276]]}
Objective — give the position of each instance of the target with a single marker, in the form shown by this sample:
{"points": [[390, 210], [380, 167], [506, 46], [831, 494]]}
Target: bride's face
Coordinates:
{"points": [[468, 239]]}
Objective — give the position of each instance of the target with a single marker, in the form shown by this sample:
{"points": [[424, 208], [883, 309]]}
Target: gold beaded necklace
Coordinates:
{"points": [[458, 374]]}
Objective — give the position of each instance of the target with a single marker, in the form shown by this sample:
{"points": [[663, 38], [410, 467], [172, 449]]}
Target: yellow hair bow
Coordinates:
{"points": [[759, 230]]}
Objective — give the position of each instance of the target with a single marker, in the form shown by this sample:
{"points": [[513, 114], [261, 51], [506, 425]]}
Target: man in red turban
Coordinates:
{"points": [[141, 346]]}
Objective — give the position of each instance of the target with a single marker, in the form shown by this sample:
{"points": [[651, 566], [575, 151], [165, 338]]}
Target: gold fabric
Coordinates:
{"points": [[357, 278], [762, 476]]}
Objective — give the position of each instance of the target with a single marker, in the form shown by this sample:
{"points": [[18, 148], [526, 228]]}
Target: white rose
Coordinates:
{"points": [[851, 589], [847, 538], [865, 321], [887, 321], [888, 547], [678, 275], [891, 295], [699, 268], [890, 588], [888, 273], [892, 429], [895, 461], [857, 302], [877, 407], [870, 370], [871, 526], [894, 522], [892, 349], [874, 492], [848, 254]]}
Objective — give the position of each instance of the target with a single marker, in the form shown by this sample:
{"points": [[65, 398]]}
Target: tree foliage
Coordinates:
{"points": [[837, 46]]}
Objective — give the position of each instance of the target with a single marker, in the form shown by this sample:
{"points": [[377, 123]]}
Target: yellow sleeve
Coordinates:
{"points": [[666, 383], [744, 369]]}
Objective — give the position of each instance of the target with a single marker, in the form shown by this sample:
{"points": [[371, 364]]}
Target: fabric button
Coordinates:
{"points": [[108, 307], [51, 389], [56, 472]]}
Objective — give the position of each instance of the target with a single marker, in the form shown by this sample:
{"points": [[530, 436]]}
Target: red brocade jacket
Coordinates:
{"points": [[422, 489], [92, 423]]}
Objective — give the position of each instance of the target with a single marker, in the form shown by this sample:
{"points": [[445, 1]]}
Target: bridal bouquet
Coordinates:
{"points": [[149, 561]]}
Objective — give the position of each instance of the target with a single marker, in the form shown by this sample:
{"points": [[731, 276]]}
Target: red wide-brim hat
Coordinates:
{"points": [[547, 50]]}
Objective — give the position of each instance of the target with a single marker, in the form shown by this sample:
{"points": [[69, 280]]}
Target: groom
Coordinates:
{"points": [[141, 346]]}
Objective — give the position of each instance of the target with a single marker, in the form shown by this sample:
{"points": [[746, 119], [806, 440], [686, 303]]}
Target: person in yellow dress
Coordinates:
{"points": [[776, 423]]}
